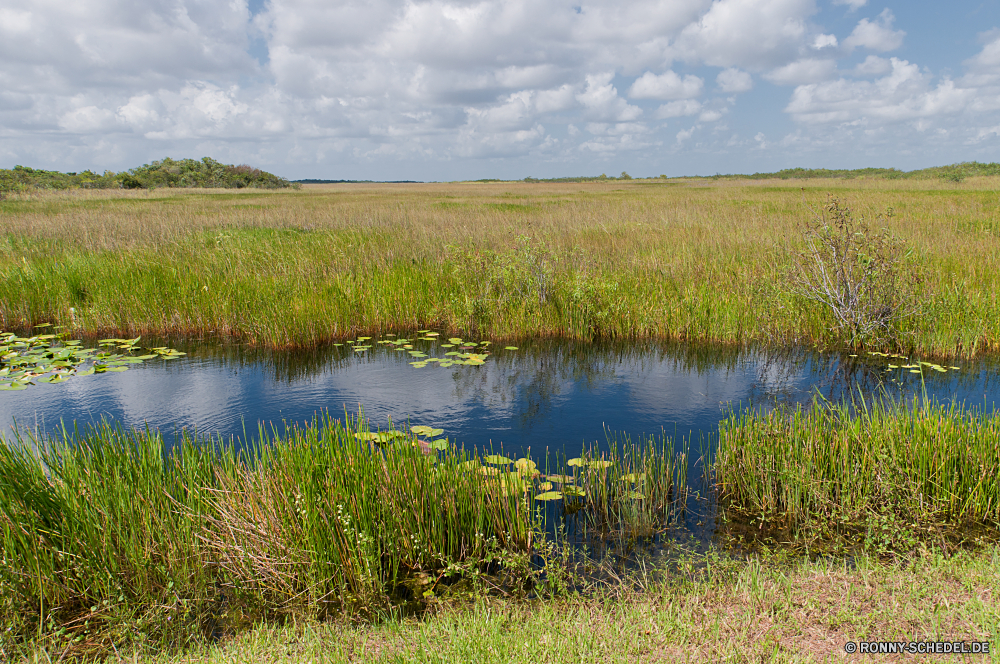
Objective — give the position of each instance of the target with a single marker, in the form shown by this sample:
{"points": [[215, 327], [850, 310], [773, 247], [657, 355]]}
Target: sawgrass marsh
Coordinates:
{"points": [[696, 259]]}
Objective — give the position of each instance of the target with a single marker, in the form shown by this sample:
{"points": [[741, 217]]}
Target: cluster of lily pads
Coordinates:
{"points": [[461, 351], [52, 358], [525, 477], [913, 367], [385, 437]]}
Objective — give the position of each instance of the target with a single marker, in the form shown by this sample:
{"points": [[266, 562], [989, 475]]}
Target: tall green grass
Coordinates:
{"points": [[626, 259], [882, 470], [110, 533]]}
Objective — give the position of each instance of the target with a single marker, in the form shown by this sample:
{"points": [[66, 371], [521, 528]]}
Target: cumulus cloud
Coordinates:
{"points": [[987, 61], [378, 82], [905, 94], [734, 80], [873, 66], [755, 34], [601, 100], [666, 86], [676, 109], [876, 35], [809, 70]]}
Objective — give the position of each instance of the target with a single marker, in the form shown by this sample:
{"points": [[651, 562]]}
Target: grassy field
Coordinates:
{"points": [[698, 259]]}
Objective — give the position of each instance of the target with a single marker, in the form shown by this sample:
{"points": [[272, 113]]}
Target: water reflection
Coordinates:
{"points": [[548, 394], [553, 396]]}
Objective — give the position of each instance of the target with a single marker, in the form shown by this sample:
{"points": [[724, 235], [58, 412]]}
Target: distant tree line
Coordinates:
{"points": [[164, 173], [952, 172]]}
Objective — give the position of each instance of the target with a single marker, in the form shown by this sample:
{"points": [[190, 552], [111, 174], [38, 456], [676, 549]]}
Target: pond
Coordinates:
{"points": [[543, 395]]}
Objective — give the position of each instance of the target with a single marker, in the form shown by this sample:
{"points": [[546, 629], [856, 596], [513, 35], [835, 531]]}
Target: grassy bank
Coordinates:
{"points": [[698, 260], [109, 537], [113, 542], [757, 610], [885, 477]]}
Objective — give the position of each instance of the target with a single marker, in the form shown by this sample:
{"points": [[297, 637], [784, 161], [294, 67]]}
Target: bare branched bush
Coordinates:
{"points": [[863, 276]]}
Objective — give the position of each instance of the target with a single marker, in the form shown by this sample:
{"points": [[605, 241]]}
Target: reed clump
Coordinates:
{"points": [[692, 260], [884, 476], [112, 536]]}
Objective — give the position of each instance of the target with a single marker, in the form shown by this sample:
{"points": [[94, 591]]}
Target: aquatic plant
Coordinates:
{"points": [[53, 358], [835, 470], [102, 528]]}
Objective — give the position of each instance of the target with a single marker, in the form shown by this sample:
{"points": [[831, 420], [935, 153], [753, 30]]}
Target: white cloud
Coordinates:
{"points": [[988, 60], [601, 100], [376, 83], [873, 66], [824, 41], [754, 34], [905, 94], [853, 4], [877, 35], [734, 80], [810, 70], [676, 109], [666, 86]]}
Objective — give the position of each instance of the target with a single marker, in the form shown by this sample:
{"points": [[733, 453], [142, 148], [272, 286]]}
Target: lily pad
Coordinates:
{"points": [[526, 466], [634, 477], [496, 459], [560, 479], [510, 347], [576, 462], [635, 495], [545, 486], [574, 491], [549, 495]]}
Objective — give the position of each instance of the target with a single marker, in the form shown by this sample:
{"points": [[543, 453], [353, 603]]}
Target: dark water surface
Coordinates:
{"points": [[555, 395]]}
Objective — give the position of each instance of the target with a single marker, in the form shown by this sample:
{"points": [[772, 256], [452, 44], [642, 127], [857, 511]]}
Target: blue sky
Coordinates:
{"points": [[464, 89]]}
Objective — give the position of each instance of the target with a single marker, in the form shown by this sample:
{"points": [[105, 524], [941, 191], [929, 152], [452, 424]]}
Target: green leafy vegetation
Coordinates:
{"points": [[206, 173], [300, 268], [111, 536], [886, 476], [53, 358]]}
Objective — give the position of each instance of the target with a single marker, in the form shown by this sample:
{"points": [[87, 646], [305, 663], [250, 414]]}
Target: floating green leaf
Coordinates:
{"points": [[526, 466], [560, 479], [510, 347], [496, 459], [549, 495], [574, 491]]}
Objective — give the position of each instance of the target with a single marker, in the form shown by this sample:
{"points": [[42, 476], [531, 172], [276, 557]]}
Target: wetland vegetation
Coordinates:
{"points": [[700, 260], [114, 541]]}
